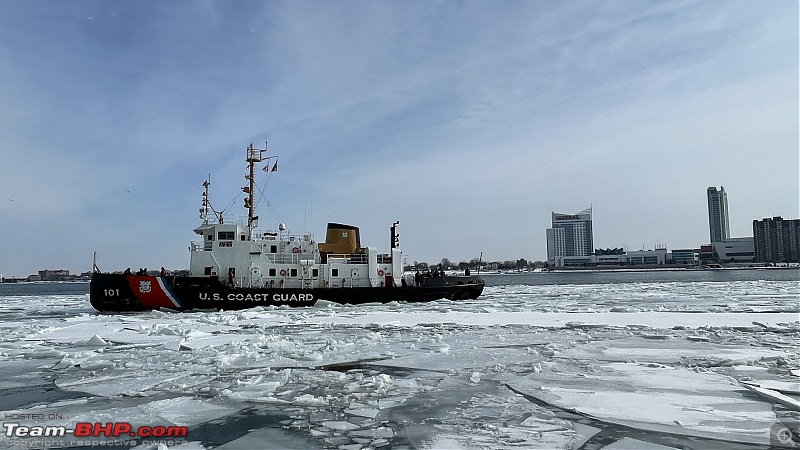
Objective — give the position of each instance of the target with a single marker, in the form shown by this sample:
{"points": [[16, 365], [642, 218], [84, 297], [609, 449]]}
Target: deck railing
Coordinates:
{"points": [[348, 258]]}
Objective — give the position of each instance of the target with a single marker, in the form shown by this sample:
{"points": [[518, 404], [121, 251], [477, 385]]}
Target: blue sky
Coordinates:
{"points": [[469, 122]]}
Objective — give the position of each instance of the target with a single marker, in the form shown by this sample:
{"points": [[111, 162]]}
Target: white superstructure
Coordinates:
{"points": [[279, 259]]}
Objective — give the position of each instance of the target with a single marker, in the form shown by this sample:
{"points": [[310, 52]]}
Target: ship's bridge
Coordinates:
{"points": [[223, 234], [220, 238]]}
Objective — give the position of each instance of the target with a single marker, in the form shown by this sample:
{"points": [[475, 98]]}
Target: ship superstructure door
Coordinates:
{"points": [[255, 276], [306, 273]]}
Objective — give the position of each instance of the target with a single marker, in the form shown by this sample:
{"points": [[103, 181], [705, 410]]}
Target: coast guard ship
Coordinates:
{"points": [[237, 266]]}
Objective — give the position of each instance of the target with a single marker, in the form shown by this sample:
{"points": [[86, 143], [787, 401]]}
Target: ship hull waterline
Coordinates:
{"points": [[119, 293]]}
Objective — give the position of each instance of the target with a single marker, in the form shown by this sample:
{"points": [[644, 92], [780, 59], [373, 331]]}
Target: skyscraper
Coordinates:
{"points": [[718, 214], [570, 235]]}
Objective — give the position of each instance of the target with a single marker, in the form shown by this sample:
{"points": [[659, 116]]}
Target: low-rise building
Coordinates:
{"points": [[646, 257], [684, 256], [706, 253], [53, 275], [734, 250]]}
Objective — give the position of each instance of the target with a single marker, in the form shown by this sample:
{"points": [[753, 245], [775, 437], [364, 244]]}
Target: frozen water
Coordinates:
{"points": [[663, 363]]}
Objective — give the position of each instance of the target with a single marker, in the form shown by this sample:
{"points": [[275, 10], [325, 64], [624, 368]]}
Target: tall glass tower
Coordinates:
{"points": [[570, 235], [718, 214]]}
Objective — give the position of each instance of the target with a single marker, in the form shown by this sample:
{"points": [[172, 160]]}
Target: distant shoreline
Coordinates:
{"points": [[640, 269]]}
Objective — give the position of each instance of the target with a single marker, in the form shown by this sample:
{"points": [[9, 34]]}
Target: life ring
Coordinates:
{"points": [[283, 272], [380, 272], [296, 250]]}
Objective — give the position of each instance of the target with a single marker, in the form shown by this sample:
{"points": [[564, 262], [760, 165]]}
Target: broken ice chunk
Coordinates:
{"points": [[376, 433], [340, 425], [95, 341]]}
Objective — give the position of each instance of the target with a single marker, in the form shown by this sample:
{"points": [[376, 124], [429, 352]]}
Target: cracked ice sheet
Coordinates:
{"points": [[560, 319], [672, 349], [677, 400]]}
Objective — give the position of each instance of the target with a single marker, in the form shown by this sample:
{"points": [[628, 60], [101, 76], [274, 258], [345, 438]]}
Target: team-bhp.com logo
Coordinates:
{"points": [[86, 429]]}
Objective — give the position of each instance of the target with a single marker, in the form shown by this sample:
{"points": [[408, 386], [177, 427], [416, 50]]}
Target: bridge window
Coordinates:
{"points": [[226, 235]]}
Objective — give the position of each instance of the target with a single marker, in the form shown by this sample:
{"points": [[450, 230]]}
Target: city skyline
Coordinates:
{"points": [[469, 123], [567, 221]]}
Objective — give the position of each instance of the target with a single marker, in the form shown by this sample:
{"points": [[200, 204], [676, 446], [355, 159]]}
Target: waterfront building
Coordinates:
{"points": [[706, 253], [734, 250], [685, 256], [53, 275], [776, 240], [646, 257], [569, 239], [608, 256], [718, 214]]}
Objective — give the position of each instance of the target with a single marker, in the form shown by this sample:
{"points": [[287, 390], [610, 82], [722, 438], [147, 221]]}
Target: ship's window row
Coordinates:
{"points": [[273, 272]]}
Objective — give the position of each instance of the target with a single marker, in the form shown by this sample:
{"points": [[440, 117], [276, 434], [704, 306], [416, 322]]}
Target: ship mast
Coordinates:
{"points": [[254, 155], [206, 204], [395, 236]]}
